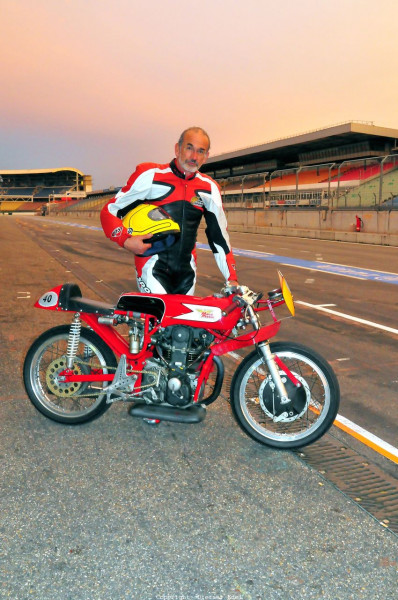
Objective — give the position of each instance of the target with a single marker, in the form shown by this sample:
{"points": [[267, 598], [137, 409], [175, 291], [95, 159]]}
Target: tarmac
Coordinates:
{"points": [[116, 509]]}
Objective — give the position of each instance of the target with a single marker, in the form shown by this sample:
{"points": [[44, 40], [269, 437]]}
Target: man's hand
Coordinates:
{"points": [[136, 244], [231, 287]]}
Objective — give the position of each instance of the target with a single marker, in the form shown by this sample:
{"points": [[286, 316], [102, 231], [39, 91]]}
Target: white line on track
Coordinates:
{"points": [[352, 267], [348, 317], [368, 438], [339, 273]]}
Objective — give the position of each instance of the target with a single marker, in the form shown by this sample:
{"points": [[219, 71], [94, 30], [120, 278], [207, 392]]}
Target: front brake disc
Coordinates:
{"points": [[299, 398]]}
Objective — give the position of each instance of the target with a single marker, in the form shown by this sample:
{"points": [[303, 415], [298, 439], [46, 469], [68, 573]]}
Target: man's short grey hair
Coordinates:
{"points": [[197, 130]]}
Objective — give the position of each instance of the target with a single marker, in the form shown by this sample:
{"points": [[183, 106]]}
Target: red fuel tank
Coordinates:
{"points": [[173, 309]]}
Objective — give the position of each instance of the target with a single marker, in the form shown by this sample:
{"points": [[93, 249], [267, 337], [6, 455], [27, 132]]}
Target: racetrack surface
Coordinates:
{"points": [[118, 509]]}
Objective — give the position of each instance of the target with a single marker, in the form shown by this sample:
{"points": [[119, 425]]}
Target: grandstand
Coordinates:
{"points": [[30, 190], [348, 165]]}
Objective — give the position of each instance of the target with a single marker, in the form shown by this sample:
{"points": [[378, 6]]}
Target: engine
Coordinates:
{"points": [[179, 351]]}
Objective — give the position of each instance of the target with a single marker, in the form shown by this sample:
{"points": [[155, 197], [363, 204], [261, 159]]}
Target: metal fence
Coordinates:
{"points": [[361, 183]]}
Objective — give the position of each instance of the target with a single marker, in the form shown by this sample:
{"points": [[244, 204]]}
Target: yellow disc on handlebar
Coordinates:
{"points": [[286, 293]]}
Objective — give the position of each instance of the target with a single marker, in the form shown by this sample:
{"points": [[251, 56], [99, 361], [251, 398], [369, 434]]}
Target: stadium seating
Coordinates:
{"points": [[15, 206], [10, 206], [61, 205], [355, 173], [91, 205], [17, 191], [48, 192], [305, 178]]}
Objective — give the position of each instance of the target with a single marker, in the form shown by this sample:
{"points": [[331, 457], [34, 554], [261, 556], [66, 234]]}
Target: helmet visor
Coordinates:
{"points": [[158, 214]]}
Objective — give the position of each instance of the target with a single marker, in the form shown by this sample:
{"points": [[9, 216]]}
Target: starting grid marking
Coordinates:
{"points": [[323, 267]]}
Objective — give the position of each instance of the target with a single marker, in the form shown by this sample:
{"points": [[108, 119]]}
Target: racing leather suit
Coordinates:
{"points": [[172, 271]]}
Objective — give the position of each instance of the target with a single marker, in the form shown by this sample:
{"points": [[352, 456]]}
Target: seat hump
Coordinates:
{"points": [[70, 299]]}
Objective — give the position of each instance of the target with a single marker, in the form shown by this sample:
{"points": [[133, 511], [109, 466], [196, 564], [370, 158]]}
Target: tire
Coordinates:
{"points": [[312, 407], [67, 403]]}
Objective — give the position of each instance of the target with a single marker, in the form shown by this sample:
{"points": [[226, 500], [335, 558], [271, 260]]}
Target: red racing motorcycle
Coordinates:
{"points": [[163, 354]]}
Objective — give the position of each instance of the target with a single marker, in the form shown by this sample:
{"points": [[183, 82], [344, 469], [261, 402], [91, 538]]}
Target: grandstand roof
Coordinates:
{"points": [[40, 183], [39, 171], [339, 142]]}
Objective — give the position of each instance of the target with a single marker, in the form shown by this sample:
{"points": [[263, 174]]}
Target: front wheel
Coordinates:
{"points": [[311, 409], [73, 402]]}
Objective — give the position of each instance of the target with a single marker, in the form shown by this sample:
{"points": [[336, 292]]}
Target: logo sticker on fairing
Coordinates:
{"points": [[48, 300], [210, 314]]}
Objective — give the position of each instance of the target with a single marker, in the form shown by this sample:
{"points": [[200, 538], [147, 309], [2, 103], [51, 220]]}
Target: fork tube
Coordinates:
{"points": [[269, 359]]}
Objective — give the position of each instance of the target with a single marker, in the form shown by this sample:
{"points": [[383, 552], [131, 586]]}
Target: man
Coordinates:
{"points": [[186, 195]]}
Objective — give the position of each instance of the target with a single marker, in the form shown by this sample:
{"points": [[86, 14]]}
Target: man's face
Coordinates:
{"points": [[193, 152]]}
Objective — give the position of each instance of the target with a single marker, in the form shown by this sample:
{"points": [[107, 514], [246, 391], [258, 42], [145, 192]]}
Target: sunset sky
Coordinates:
{"points": [[102, 86]]}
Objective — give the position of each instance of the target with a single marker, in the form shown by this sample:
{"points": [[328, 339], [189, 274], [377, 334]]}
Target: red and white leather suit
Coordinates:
{"points": [[173, 271]]}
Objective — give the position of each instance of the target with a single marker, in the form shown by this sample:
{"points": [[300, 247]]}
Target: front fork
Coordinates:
{"points": [[269, 358], [272, 361]]}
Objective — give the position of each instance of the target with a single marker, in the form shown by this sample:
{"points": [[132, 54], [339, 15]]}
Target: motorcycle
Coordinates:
{"points": [[163, 354]]}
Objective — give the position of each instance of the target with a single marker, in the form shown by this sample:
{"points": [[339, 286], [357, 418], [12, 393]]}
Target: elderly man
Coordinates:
{"points": [[186, 195]]}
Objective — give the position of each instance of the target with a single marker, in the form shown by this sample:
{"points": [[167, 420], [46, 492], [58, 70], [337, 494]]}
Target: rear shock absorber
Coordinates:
{"points": [[73, 341]]}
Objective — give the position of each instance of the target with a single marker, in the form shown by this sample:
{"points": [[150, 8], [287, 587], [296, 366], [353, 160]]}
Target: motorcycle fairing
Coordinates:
{"points": [[172, 308], [68, 297], [167, 308], [50, 300]]}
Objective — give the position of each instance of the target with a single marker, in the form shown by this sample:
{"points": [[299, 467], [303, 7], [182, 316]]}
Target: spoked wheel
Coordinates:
{"points": [[266, 417], [72, 402]]}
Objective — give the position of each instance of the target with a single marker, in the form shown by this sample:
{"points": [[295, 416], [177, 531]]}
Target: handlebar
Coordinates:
{"points": [[246, 298], [243, 296]]}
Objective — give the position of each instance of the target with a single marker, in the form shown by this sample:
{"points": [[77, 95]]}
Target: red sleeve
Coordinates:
{"points": [[113, 226]]}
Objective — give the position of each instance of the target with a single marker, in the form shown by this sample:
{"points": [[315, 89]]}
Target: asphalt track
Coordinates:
{"points": [[116, 509]]}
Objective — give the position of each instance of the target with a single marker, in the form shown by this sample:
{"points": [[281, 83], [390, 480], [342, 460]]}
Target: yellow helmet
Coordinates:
{"points": [[148, 219]]}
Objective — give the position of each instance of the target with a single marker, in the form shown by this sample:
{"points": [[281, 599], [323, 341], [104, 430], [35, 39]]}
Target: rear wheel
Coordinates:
{"points": [[311, 408], [73, 402]]}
